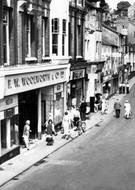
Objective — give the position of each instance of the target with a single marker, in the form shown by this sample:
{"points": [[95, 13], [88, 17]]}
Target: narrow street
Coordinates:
{"points": [[105, 161]]}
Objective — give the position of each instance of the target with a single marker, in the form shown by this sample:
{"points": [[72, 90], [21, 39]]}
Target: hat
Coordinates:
{"points": [[27, 122]]}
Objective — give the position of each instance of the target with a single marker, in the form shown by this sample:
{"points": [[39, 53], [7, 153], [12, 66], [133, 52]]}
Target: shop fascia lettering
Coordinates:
{"points": [[34, 79], [77, 74]]}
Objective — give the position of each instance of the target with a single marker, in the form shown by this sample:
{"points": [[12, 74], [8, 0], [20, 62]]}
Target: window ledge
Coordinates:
{"points": [[78, 56], [46, 58], [30, 59]]}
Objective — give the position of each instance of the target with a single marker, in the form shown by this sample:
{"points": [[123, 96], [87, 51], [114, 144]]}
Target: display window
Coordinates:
{"points": [[9, 134]]}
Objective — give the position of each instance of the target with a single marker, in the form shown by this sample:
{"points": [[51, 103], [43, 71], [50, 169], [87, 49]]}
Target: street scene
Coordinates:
{"points": [[67, 98], [102, 158]]}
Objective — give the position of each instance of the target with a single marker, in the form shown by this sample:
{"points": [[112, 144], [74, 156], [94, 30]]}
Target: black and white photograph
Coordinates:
{"points": [[67, 94]]}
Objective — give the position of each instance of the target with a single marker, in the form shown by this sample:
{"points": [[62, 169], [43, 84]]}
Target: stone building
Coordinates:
{"points": [[34, 68]]}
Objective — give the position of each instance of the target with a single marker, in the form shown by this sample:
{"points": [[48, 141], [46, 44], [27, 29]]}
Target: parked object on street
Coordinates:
{"points": [[127, 108], [50, 132], [26, 134], [117, 108]]}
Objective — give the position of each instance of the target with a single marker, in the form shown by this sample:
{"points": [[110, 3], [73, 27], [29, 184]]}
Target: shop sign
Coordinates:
{"points": [[58, 88], [77, 74], [58, 95], [25, 82], [9, 113], [8, 102]]}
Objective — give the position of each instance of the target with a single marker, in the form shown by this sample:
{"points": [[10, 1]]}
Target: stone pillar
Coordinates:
{"points": [[8, 133], [39, 114]]}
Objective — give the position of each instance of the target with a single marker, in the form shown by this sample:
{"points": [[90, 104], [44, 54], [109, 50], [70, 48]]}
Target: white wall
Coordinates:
{"points": [[59, 9]]}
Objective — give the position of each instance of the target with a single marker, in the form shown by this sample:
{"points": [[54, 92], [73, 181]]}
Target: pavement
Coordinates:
{"points": [[10, 169]]}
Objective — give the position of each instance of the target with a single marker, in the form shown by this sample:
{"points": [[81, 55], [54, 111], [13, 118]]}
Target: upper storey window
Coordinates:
{"points": [[55, 33], [45, 37], [6, 37], [63, 36], [30, 36]]}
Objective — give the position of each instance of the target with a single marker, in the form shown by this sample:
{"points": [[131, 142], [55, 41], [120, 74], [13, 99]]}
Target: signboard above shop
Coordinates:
{"points": [[8, 102], [29, 81], [77, 74]]}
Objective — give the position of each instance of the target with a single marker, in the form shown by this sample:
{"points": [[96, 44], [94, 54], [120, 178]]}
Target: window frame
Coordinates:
{"points": [[6, 48], [64, 32], [55, 34]]}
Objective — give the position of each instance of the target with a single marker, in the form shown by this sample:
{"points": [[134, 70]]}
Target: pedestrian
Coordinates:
{"points": [[26, 133], [127, 88], [120, 88], [127, 108], [72, 114], [82, 109], [71, 118], [76, 117], [66, 126], [103, 105], [124, 88], [117, 108], [50, 132]]}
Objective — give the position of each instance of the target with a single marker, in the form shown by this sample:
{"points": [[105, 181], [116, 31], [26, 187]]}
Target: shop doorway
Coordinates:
{"points": [[28, 111]]}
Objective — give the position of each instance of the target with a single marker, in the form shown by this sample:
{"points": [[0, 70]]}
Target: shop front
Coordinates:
{"points": [[93, 82], [52, 103], [76, 87], [108, 85], [34, 94], [9, 128]]}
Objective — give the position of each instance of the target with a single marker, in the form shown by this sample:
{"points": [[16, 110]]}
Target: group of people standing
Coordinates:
{"points": [[127, 109], [73, 118], [124, 88]]}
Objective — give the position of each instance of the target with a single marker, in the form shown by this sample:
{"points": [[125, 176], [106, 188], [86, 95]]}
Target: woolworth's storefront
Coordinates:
{"points": [[29, 95]]}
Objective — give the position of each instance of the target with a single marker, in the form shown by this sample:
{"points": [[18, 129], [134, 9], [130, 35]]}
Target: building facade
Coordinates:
{"points": [[76, 85], [93, 41], [112, 56], [34, 68]]}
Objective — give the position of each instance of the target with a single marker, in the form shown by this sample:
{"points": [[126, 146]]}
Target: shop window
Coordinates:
{"points": [[14, 131], [3, 134]]}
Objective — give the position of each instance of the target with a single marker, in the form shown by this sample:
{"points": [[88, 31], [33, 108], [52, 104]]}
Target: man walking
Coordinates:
{"points": [[117, 108], [83, 110]]}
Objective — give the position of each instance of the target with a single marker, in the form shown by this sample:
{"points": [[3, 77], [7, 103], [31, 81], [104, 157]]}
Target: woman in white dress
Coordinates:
{"points": [[66, 125]]}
